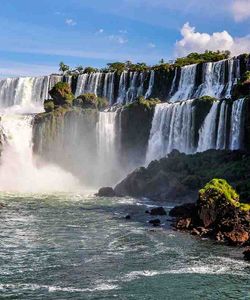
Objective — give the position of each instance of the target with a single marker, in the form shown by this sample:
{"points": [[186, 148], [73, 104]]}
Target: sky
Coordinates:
{"points": [[36, 35]]}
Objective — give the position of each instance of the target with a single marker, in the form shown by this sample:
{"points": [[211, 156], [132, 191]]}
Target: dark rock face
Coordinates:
{"points": [[247, 253], [134, 125], [179, 176], [155, 222], [158, 211], [217, 214], [106, 192]]}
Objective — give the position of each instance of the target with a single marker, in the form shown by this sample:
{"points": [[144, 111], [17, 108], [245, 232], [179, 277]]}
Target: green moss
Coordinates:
{"points": [[148, 104], [90, 100], [220, 188], [49, 105], [61, 94]]}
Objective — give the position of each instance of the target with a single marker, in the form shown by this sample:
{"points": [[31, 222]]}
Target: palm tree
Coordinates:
{"points": [[63, 68]]}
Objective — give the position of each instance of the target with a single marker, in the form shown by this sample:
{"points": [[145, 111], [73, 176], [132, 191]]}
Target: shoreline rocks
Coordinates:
{"points": [[106, 192], [217, 214]]}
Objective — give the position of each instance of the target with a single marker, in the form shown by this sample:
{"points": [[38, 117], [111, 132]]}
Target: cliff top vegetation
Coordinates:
{"points": [[119, 67]]}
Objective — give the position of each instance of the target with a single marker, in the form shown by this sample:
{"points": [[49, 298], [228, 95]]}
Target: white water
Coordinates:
{"points": [[218, 79], [236, 125], [172, 128], [107, 147], [207, 133], [19, 171], [186, 84]]}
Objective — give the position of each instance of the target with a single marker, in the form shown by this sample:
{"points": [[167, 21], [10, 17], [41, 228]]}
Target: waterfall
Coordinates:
{"points": [[172, 128], [19, 171], [23, 91], [186, 84], [236, 125], [221, 142], [208, 133], [107, 148], [151, 84], [217, 80]]}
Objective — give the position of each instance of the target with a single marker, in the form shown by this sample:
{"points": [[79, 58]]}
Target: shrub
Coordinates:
{"points": [[61, 94], [49, 105]]}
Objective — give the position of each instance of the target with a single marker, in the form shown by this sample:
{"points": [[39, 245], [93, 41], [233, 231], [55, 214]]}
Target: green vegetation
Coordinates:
{"points": [[242, 88], [207, 56], [49, 105], [141, 101], [89, 100], [119, 67], [218, 189]]}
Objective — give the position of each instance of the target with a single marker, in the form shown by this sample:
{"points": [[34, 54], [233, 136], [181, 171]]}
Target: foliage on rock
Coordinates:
{"points": [[89, 100], [61, 94], [148, 104]]}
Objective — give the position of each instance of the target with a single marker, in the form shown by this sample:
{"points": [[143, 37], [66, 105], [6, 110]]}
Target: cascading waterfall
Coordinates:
{"points": [[19, 171], [208, 132], [186, 84], [217, 80], [236, 125], [172, 128], [107, 148]]}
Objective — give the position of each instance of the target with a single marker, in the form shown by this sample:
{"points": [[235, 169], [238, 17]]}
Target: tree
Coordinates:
{"points": [[63, 68], [79, 69]]}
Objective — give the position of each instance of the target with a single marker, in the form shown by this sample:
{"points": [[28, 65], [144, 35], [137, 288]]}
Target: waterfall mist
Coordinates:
{"points": [[19, 171]]}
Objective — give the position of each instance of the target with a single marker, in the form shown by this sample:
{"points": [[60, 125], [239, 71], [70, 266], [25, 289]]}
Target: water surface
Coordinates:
{"points": [[78, 247]]}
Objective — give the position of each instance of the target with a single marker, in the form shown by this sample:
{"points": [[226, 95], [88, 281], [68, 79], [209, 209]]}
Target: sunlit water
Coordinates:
{"points": [[76, 247]]}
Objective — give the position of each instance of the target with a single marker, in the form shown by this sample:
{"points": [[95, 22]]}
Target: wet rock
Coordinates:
{"points": [[246, 253], [195, 232], [158, 211], [183, 211], [128, 217], [237, 237], [155, 222], [183, 223], [106, 192]]}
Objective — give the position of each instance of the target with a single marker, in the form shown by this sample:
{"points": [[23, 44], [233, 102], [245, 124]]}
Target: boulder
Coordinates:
{"points": [[238, 236], [155, 222], [106, 192], [183, 223], [158, 211], [183, 211], [61, 94], [247, 253], [217, 200]]}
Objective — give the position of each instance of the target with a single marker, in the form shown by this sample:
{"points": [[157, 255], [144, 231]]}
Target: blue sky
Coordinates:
{"points": [[36, 35]]}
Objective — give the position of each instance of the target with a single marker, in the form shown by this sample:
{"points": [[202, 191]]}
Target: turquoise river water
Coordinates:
{"points": [[81, 247]]}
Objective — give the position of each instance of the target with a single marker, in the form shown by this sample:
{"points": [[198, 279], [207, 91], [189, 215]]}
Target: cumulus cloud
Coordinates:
{"points": [[241, 10], [70, 22], [194, 41]]}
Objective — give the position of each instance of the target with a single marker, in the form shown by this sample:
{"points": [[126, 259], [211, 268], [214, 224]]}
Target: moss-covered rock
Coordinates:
{"points": [[242, 88], [215, 200], [49, 105], [148, 104], [89, 100], [61, 94]]}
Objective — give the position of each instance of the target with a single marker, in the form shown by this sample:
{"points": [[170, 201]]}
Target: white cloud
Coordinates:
{"points": [[151, 45], [194, 41], [241, 10], [118, 39], [70, 22]]}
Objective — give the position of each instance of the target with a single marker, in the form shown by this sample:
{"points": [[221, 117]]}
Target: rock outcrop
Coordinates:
{"points": [[179, 176], [217, 214]]}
